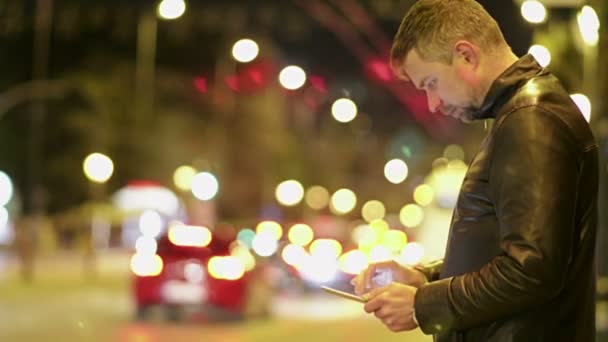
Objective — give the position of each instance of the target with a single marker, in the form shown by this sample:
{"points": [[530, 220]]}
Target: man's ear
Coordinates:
{"points": [[467, 52]]}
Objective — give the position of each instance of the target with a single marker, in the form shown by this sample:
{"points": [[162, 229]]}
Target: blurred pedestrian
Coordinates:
{"points": [[519, 263]]}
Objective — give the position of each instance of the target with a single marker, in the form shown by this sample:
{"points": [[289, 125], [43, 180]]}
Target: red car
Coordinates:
{"points": [[191, 270]]}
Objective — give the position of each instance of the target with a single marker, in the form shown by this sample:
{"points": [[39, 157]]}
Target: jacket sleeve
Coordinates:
{"points": [[431, 270], [533, 181]]}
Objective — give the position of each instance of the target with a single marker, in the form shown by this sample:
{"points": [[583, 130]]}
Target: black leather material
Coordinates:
{"points": [[519, 263]]}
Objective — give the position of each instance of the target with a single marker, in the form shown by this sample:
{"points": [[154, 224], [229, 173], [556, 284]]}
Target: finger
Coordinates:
{"points": [[367, 276], [358, 283], [373, 300], [373, 305]]}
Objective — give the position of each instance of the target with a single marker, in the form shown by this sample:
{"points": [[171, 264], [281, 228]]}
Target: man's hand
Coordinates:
{"points": [[368, 279], [393, 305]]}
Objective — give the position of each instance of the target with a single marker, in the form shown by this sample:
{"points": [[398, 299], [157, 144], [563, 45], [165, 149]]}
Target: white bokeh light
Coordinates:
{"points": [[533, 11], [589, 25], [541, 54], [205, 186], [150, 223], [146, 245], [245, 50], [344, 110], [412, 253], [343, 201], [98, 167], [265, 244], [292, 77], [6, 189], [584, 105], [289, 192], [396, 171], [171, 9]]}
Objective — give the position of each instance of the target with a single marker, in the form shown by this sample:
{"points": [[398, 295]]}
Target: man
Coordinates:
{"points": [[519, 261]]}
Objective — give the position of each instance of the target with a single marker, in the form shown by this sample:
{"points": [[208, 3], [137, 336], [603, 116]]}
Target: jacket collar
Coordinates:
{"points": [[506, 84]]}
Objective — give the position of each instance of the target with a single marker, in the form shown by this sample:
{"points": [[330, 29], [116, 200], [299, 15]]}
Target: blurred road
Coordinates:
{"points": [[63, 306]]}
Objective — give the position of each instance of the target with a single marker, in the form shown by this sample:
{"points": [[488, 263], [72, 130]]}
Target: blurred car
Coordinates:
{"points": [[192, 270]]}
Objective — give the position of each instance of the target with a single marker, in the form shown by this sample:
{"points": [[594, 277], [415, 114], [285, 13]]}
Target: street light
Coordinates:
{"points": [[6, 189], [292, 77], [541, 54], [245, 50], [584, 105], [344, 110], [205, 186], [589, 25], [533, 11], [171, 9], [98, 167]]}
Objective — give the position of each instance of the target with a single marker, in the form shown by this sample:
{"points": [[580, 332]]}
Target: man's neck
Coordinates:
{"points": [[495, 67]]}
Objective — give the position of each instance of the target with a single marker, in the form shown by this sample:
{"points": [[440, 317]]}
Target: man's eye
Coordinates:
{"points": [[431, 84]]}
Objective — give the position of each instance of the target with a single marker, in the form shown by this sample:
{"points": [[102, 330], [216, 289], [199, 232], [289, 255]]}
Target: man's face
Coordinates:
{"points": [[446, 86]]}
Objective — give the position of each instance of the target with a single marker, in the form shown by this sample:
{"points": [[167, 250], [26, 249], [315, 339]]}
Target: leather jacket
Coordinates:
{"points": [[519, 263]]}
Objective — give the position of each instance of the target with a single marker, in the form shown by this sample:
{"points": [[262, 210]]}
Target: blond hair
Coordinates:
{"points": [[432, 27]]}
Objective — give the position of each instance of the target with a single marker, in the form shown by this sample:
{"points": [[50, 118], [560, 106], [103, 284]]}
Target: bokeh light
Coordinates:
{"points": [[265, 244], [589, 25], [205, 186], [294, 255], [541, 54], [584, 105], [395, 240], [328, 249], [300, 234], [193, 236], [317, 197], [453, 152], [145, 265], [423, 195], [4, 217], [242, 253], [412, 253], [245, 50], [150, 223], [292, 77], [146, 245], [246, 236], [226, 267], [353, 262], [319, 270], [380, 253], [273, 228], [6, 189], [343, 201], [373, 210], [365, 236], [411, 215], [396, 171], [344, 110], [533, 11], [98, 167], [171, 9], [289, 192], [183, 176]]}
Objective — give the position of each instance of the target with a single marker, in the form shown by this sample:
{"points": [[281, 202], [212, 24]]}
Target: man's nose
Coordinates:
{"points": [[433, 101]]}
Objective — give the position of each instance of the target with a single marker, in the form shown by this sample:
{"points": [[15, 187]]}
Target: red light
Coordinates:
{"points": [[380, 70], [233, 82], [257, 76], [200, 83], [318, 83]]}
